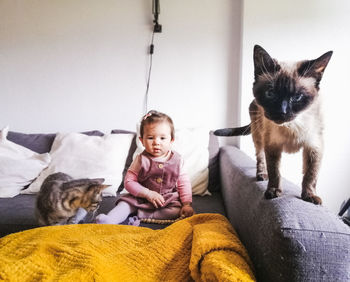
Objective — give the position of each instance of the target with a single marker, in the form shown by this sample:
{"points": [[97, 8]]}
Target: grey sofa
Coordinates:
{"points": [[287, 239]]}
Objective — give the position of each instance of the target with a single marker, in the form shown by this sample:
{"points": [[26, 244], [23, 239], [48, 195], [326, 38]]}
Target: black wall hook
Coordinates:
{"points": [[156, 12]]}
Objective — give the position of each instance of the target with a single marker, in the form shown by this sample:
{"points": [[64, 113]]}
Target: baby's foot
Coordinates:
{"points": [[134, 220], [104, 219]]}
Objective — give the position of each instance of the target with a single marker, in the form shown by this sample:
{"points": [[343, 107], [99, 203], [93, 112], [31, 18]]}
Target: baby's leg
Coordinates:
{"points": [[117, 215]]}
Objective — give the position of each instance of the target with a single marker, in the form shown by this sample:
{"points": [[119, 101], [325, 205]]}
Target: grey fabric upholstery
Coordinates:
{"points": [[17, 213], [287, 238]]}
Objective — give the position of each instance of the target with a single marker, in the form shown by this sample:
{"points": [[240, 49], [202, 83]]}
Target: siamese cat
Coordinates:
{"points": [[286, 116]]}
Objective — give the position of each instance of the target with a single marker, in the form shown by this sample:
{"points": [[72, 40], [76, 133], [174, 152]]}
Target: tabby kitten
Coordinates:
{"points": [[285, 116], [60, 197]]}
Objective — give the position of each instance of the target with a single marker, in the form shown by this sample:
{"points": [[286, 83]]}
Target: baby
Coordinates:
{"points": [[157, 185]]}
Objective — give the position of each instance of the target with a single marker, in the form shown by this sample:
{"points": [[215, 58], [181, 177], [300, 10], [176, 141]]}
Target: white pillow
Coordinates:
{"points": [[19, 166], [83, 156], [192, 144]]}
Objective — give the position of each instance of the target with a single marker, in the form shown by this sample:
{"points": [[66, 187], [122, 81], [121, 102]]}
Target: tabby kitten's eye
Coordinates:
{"points": [[297, 97], [269, 94]]}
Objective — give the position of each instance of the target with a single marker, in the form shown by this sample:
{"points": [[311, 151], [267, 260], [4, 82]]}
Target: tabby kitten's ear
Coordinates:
{"points": [[96, 184], [83, 182], [98, 188], [315, 68], [263, 63]]}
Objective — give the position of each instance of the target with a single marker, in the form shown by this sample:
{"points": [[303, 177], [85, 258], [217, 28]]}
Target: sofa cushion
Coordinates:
{"points": [[287, 238], [40, 142], [192, 144], [17, 213], [84, 156], [19, 166]]}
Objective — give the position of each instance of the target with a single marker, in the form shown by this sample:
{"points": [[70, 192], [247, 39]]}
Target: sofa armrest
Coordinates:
{"points": [[287, 238]]}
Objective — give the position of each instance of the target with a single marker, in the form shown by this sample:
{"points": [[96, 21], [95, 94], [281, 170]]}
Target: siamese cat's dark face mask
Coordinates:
{"points": [[285, 90], [283, 98]]}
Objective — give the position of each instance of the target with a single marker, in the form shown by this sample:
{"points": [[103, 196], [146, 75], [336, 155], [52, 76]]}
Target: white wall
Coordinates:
{"points": [[293, 30], [71, 65]]}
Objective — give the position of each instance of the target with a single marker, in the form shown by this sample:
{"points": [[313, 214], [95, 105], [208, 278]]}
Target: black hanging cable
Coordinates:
{"points": [[157, 28], [151, 50]]}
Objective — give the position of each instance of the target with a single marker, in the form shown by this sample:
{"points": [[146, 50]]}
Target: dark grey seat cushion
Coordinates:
{"points": [[287, 238], [17, 213]]}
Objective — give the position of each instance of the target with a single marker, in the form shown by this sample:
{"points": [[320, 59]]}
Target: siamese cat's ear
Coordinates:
{"points": [[321, 62], [263, 63], [315, 68]]}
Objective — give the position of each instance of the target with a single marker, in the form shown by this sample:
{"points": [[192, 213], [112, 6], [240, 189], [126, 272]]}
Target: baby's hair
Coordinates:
{"points": [[154, 117]]}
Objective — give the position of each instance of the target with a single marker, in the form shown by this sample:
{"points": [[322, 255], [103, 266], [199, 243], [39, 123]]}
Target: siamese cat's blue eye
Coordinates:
{"points": [[269, 94], [298, 97]]}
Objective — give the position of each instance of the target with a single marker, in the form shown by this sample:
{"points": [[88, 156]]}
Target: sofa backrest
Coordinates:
{"points": [[42, 143]]}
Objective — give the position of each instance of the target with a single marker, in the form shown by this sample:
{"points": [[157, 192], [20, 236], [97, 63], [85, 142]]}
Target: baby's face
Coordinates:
{"points": [[157, 139]]}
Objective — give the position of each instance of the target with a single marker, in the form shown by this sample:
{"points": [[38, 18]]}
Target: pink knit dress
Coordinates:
{"points": [[161, 177]]}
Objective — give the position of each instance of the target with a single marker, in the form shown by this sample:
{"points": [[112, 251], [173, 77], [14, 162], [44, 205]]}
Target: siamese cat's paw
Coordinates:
{"points": [[312, 198], [271, 193]]}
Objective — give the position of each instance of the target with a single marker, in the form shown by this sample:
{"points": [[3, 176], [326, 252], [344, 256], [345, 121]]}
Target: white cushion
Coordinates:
{"points": [[19, 166], [83, 156], [192, 144]]}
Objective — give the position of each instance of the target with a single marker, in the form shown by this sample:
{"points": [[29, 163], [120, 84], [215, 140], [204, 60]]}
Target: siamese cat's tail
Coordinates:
{"points": [[237, 131]]}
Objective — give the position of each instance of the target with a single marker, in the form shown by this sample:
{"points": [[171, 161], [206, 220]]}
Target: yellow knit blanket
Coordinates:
{"points": [[203, 247]]}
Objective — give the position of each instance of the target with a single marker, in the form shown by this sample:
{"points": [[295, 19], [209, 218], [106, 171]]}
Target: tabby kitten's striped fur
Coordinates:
{"points": [[61, 196], [285, 116]]}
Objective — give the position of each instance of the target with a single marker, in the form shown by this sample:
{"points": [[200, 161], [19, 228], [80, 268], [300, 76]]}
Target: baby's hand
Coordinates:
{"points": [[186, 210], [155, 198]]}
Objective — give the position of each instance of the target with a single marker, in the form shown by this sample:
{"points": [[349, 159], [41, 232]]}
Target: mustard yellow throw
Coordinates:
{"points": [[203, 247]]}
